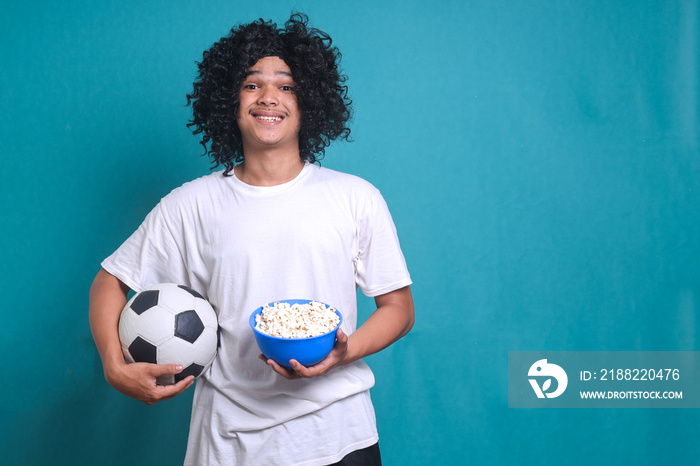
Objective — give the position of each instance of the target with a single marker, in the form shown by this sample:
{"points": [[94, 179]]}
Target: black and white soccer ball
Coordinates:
{"points": [[169, 324]]}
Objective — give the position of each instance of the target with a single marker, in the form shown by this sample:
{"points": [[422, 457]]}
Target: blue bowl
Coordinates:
{"points": [[308, 351]]}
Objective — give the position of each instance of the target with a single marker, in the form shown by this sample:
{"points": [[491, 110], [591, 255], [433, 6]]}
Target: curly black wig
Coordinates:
{"points": [[320, 90]]}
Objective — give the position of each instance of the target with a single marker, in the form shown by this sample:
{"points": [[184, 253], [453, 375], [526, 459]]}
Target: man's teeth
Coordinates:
{"points": [[268, 118]]}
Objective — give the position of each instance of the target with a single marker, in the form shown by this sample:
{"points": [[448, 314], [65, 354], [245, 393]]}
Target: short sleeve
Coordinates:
{"points": [[152, 254], [380, 266]]}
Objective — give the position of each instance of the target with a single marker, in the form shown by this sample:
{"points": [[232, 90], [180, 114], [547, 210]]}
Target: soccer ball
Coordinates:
{"points": [[169, 324]]}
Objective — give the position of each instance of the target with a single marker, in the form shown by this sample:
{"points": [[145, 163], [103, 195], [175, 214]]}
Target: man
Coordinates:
{"points": [[271, 225]]}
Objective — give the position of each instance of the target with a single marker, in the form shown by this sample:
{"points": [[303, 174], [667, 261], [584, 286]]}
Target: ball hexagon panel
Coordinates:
{"points": [[182, 352], [156, 325], [206, 314], [207, 344], [176, 299], [128, 327]]}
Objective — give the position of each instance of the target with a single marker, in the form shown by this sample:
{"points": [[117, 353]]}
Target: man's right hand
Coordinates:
{"points": [[138, 380]]}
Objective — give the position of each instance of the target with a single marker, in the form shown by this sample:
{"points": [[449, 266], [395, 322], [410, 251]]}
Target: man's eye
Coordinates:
{"points": [[250, 86], [287, 88]]}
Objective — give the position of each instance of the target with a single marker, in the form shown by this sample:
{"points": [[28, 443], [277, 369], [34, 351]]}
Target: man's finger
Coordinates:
{"points": [[283, 371], [167, 369]]}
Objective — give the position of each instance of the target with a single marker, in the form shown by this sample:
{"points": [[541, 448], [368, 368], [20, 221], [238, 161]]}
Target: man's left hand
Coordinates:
{"points": [[298, 371]]}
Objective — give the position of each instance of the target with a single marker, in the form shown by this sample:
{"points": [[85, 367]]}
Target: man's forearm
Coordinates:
{"points": [[107, 299], [392, 320]]}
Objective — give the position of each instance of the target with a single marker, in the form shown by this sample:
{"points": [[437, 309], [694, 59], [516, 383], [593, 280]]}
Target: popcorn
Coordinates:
{"points": [[296, 321]]}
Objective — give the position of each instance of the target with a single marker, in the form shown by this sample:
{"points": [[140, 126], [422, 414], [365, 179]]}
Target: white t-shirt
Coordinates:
{"points": [[315, 237]]}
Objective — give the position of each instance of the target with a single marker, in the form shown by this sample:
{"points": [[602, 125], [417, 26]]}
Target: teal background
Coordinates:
{"points": [[541, 160]]}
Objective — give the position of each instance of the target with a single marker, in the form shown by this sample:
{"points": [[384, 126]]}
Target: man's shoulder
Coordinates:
{"points": [[193, 191], [202, 183], [343, 180]]}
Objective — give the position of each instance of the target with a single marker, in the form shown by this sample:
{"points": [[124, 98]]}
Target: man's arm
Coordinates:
{"points": [[138, 380], [392, 320]]}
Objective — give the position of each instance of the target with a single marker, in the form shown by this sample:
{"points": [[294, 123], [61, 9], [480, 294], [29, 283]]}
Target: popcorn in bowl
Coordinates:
{"points": [[299, 320]]}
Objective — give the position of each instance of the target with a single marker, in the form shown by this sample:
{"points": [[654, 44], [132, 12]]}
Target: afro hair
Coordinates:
{"points": [[320, 87]]}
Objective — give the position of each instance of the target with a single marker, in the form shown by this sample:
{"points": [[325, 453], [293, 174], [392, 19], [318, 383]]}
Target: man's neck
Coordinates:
{"points": [[269, 168]]}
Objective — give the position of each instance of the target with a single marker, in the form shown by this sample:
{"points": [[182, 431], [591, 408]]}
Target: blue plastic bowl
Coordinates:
{"points": [[308, 351]]}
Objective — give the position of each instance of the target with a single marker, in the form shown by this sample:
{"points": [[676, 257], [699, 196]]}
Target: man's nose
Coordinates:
{"points": [[268, 96]]}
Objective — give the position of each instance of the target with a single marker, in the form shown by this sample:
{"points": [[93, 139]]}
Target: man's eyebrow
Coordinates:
{"points": [[277, 73]]}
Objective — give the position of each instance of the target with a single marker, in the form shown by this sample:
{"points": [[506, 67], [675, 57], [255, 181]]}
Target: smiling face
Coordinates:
{"points": [[268, 113]]}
